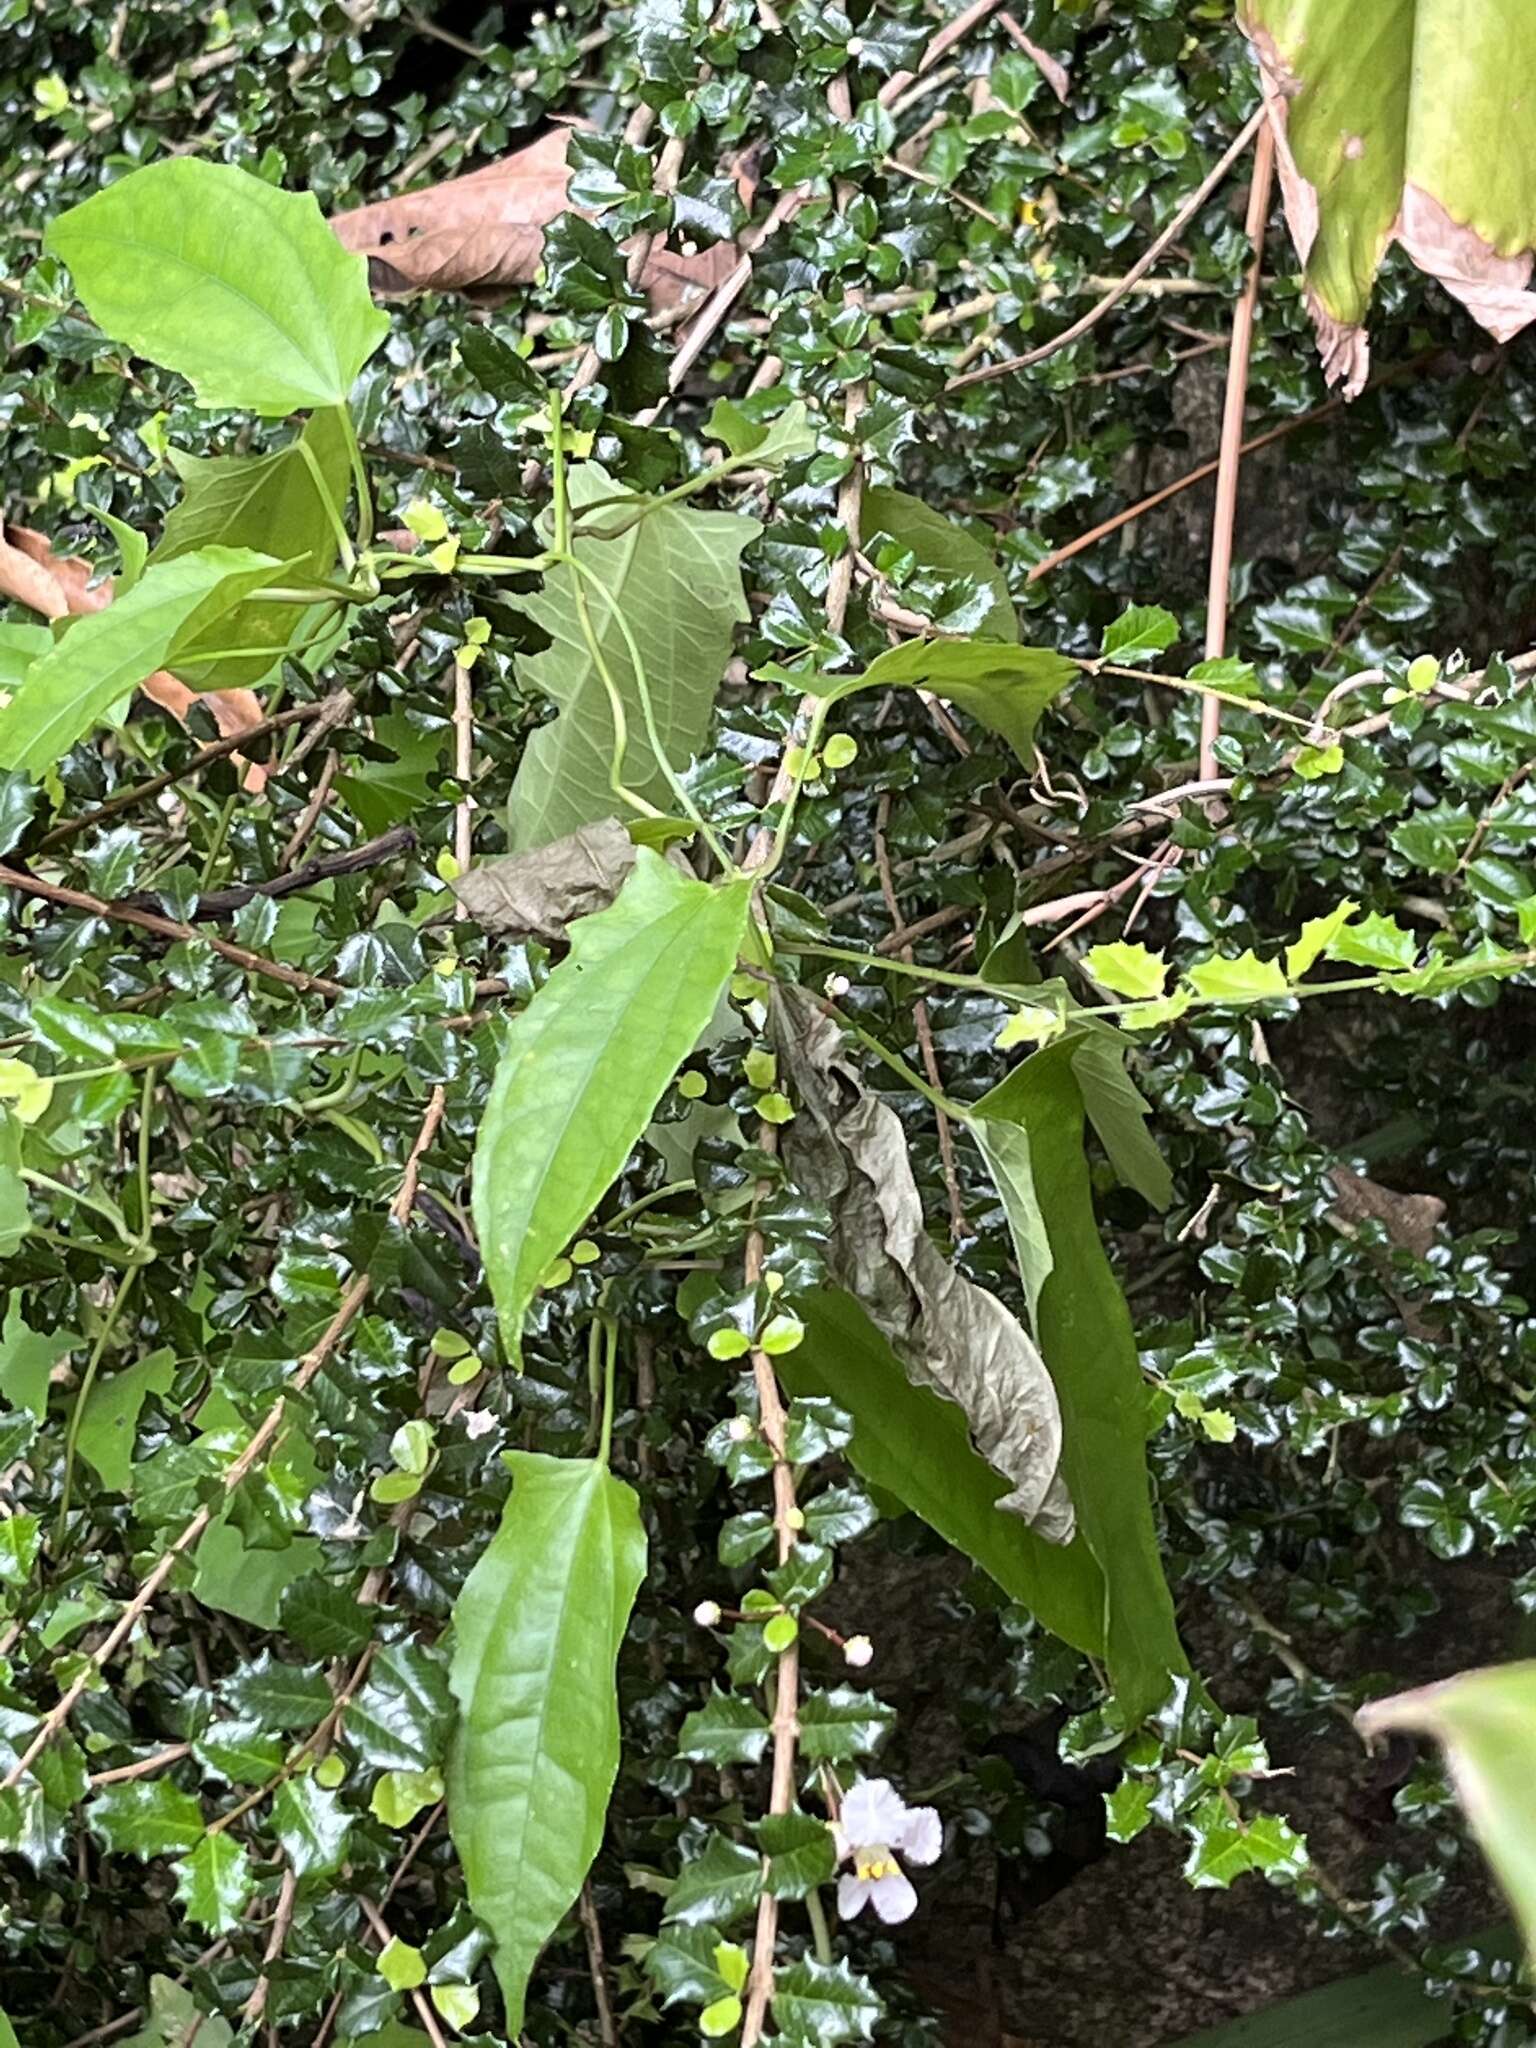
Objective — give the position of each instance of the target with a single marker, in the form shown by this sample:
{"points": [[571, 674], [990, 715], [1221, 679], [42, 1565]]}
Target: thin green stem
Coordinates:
{"points": [[955, 1111], [673, 1187], [689, 489], [562, 501], [615, 704], [359, 477], [82, 1395], [821, 1935], [48, 1185], [332, 510], [610, 1357]]}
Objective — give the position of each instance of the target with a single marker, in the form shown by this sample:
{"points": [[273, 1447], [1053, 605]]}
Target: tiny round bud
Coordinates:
{"points": [[858, 1651], [838, 985], [855, 46], [707, 1614], [740, 1428], [795, 1519]]}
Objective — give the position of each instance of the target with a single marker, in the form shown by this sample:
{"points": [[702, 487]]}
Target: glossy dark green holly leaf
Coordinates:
{"points": [[278, 1695], [146, 1817], [726, 1730], [684, 1964], [324, 1618], [839, 1722], [1224, 1846], [242, 1752], [673, 579], [819, 2005], [537, 1632], [942, 544], [311, 1825], [1090, 1349], [1006, 689], [718, 1885], [586, 1062], [400, 1721], [800, 1851], [239, 287], [215, 1882], [912, 1445], [105, 655]]}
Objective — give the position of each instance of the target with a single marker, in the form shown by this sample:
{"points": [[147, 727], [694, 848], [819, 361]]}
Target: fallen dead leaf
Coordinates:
{"points": [[483, 234], [60, 586]]}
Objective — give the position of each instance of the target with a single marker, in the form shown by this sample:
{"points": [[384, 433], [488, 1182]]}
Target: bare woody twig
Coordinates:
{"points": [[265, 1436], [591, 1927]]}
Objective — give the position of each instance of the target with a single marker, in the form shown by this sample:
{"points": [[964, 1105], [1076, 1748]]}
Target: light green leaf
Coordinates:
{"points": [[132, 546], [215, 1882], [1413, 134], [384, 793], [176, 2019], [20, 646], [27, 1358], [1485, 1721], [1246, 979], [400, 1795], [674, 579], [538, 1628], [1005, 1148], [586, 1063], [1128, 1809], [1317, 935], [1144, 630], [1090, 1349], [457, 2003], [402, 1967], [770, 443], [271, 504], [913, 1445], [1375, 942], [1119, 1111], [1004, 688], [1127, 970], [106, 654], [249, 1583], [1226, 1847], [111, 1415], [7, 2034], [239, 287], [944, 545], [20, 1541]]}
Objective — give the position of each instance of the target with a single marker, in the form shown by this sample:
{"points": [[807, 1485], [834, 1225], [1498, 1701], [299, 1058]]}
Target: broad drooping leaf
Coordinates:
{"points": [[1090, 1348], [1485, 1721], [537, 1633], [586, 1063], [1004, 688], [105, 655], [674, 579], [272, 504], [910, 1443], [239, 287], [1409, 127], [111, 1414], [941, 544], [848, 1150]]}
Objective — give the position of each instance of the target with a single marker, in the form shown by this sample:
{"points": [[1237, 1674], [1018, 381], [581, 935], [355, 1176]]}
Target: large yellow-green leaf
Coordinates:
{"points": [[1403, 120], [1085, 1334], [105, 655], [273, 504], [1005, 688], [241, 288], [911, 1443], [586, 1063], [673, 579], [1485, 1721], [537, 1631]]}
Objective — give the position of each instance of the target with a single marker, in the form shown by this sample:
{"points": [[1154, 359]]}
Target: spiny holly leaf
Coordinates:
{"points": [[718, 1885], [693, 1963], [312, 1826], [146, 1817], [1226, 1847], [818, 2005], [801, 1853], [1245, 979], [216, 274], [840, 1723], [401, 1718], [538, 1628], [1127, 970], [728, 1730], [586, 1063], [215, 1882], [673, 578]]}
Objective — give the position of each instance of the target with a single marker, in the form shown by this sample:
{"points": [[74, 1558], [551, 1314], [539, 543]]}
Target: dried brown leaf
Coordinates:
{"points": [[536, 895]]}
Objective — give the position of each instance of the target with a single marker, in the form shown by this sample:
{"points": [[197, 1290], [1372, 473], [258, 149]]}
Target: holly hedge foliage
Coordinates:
{"points": [[736, 1011]]}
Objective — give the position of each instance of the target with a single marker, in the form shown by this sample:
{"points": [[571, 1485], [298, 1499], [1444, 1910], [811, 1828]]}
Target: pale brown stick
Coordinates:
{"points": [[1138, 270], [261, 1442], [1229, 460], [597, 1968], [282, 1920], [938, 46], [463, 768], [146, 1767]]}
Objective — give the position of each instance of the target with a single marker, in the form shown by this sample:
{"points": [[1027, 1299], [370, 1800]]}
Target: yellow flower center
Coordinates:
{"points": [[875, 1863]]}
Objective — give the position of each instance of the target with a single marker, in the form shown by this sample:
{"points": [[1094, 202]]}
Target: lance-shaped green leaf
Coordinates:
{"points": [[105, 655], [1412, 131], [239, 287], [941, 544], [673, 578], [586, 1063], [1485, 1721], [272, 504], [1090, 1349], [538, 1628], [1004, 688], [913, 1445]]}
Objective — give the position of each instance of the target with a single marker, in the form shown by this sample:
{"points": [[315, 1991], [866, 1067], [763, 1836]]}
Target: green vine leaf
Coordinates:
{"points": [[586, 1063], [942, 544], [1004, 688], [538, 1628], [111, 1414], [1090, 1348], [105, 655], [674, 578], [239, 287]]}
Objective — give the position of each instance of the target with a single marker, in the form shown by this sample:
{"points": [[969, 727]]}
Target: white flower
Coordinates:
{"points": [[858, 1651], [874, 1824], [707, 1614], [740, 1428], [478, 1422]]}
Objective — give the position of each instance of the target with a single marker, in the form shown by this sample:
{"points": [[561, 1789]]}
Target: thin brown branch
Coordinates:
{"points": [[591, 1927], [266, 1434], [282, 1920], [324, 867], [1122, 286], [1229, 460], [146, 1767], [423, 2005]]}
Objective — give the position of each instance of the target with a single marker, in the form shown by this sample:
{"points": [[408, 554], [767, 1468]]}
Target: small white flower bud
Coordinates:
{"points": [[854, 46], [858, 1651], [837, 985], [739, 1428], [707, 1614]]}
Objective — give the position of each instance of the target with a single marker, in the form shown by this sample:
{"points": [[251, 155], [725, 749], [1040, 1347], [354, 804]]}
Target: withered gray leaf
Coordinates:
{"points": [[536, 895], [846, 1148]]}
